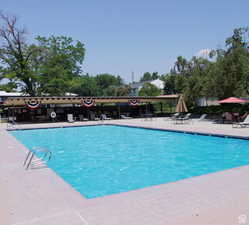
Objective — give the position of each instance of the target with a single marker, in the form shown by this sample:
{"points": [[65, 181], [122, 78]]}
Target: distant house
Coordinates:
{"points": [[158, 83], [136, 87]]}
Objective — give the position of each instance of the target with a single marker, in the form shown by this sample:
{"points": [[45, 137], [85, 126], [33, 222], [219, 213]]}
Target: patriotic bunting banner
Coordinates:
{"points": [[133, 102], [32, 104], [88, 102]]}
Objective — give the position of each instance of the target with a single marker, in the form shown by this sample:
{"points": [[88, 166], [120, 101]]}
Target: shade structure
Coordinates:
{"points": [[232, 100], [181, 105]]}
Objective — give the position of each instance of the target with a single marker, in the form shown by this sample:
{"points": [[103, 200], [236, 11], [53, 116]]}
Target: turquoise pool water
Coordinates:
{"points": [[103, 160]]}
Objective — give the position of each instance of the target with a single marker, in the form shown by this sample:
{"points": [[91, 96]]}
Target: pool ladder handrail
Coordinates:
{"points": [[29, 162]]}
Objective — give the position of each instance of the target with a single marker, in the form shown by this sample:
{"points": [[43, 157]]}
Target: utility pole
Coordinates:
{"points": [[132, 77]]}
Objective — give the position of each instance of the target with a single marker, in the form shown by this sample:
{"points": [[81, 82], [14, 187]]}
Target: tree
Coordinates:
{"points": [[230, 74], [106, 80], [181, 65], [173, 84], [15, 55], [85, 86], [60, 63], [146, 77], [9, 87], [154, 75], [123, 90], [149, 89], [45, 68], [188, 78]]}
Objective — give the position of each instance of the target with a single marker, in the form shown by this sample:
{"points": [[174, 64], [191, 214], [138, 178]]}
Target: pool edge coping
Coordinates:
{"points": [[137, 126]]}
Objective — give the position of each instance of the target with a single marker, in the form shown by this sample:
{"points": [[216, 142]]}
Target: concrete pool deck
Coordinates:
{"points": [[40, 197]]}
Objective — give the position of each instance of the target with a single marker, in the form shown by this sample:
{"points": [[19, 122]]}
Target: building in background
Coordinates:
{"points": [[136, 87]]}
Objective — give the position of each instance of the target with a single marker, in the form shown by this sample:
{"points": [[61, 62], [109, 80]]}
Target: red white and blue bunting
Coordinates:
{"points": [[88, 102], [32, 104], [133, 102]]}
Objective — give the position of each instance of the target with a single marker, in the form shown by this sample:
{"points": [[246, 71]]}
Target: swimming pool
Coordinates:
{"points": [[103, 160]]}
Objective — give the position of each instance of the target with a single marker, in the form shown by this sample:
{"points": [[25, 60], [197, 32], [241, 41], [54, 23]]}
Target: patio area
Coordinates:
{"points": [[39, 197]]}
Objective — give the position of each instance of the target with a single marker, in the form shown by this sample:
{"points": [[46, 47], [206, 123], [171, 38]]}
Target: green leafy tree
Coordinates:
{"points": [[148, 76], [9, 87], [45, 68], [155, 76], [60, 63], [173, 84], [149, 89], [230, 75], [188, 78], [106, 81], [123, 90], [85, 86], [181, 66]]}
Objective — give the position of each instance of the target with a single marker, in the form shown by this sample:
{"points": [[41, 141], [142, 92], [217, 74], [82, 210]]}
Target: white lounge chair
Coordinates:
{"points": [[70, 118], [181, 120], [125, 117], [104, 117], [202, 117], [245, 123]]}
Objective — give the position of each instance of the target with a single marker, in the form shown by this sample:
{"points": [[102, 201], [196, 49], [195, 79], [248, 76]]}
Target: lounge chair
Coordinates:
{"points": [[104, 117], [70, 118], [81, 117], [181, 120], [93, 117], [125, 117], [245, 123], [11, 123], [202, 117], [175, 116]]}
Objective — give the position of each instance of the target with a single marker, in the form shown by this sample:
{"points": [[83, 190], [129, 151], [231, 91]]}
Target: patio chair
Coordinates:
{"points": [[202, 117], [227, 117], [104, 117], [70, 118], [93, 117], [245, 123], [125, 117], [174, 116], [181, 120], [81, 117]]}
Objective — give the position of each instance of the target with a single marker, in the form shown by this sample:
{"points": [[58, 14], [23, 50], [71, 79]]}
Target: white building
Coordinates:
{"points": [[136, 87], [158, 83]]}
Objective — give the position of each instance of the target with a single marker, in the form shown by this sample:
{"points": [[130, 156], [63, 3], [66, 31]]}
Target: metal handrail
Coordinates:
{"points": [[29, 162]]}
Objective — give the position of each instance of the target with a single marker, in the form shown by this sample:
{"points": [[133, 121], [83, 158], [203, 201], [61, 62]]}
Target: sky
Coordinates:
{"points": [[137, 36]]}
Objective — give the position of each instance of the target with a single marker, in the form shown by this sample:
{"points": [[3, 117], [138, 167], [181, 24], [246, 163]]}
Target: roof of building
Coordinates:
{"points": [[158, 83], [11, 94]]}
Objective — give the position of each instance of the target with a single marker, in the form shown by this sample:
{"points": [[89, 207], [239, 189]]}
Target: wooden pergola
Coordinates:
{"points": [[33, 107], [22, 101]]}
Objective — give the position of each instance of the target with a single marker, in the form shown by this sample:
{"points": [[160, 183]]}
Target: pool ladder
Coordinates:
{"points": [[43, 156]]}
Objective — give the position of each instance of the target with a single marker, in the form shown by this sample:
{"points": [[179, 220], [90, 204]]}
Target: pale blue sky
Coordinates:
{"points": [[139, 36]]}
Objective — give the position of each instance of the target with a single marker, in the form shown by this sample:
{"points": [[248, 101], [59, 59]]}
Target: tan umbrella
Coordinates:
{"points": [[181, 105]]}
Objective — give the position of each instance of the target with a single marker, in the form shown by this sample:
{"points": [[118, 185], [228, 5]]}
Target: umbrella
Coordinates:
{"points": [[181, 106], [232, 100]]}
